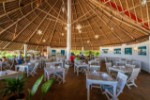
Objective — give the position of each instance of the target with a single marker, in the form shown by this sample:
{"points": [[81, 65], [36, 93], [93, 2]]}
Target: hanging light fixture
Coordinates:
{"points": [[88, 41], [144, 2], [39, 32], [44, 40], [96, 36], [65, 27], [80, 31], [112, 28], [62, 34], [78, 27], [63, 9]]}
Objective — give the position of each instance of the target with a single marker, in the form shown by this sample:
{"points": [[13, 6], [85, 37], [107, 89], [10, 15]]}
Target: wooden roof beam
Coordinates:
{"points": [[53, 31], [124, 20], [121, 40], [74, 26], [40, 23], [52, 16], [24, 28], [81, 6], [54, 10], [16, 21], [11, 11]]}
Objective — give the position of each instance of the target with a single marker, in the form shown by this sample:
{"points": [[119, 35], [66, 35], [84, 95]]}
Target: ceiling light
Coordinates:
{"points": [[80, 31], [62, 34], [63, 9], [39, 32], [112, 28], [65, 27], [44, 40], [78, 27], [88, 41], [96, 36], [144, 2]]}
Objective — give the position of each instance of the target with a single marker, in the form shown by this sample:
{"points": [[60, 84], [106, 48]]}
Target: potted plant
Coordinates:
{"points": [[14, 87], [44, 87]]}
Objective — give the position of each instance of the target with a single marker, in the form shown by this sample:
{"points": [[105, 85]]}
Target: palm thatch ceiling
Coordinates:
{"points": [[95, 23]]}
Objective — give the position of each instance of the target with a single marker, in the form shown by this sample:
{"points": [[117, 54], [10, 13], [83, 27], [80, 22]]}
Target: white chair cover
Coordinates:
{"points": [[108, 90], [133, 77]]}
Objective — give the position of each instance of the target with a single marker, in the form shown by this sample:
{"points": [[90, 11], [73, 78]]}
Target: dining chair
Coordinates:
{"points": [[108, 90], [133, 77], [66, 66], [94, 65], [108, 65], [1, 66], [32, 69], [129, 65]]}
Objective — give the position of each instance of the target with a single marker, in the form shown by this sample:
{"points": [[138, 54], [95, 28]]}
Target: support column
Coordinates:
{"points": [[68, 28], [48, 51], [19, 54], [82, 50], [25, 51], [149, 53], [122, 50]]}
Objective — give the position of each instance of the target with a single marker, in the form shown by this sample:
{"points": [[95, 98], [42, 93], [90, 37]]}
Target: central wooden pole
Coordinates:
{"points": [[68, 28]]}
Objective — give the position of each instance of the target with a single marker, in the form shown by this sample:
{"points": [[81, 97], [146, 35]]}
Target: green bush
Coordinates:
{"points": [[13, 86], [86, 52], [44, 87]]}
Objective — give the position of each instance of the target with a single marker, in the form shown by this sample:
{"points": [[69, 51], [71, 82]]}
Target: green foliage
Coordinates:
{"points": [[13, 86], [86, 52], [6, 54], [44, 88], [36, 85]]}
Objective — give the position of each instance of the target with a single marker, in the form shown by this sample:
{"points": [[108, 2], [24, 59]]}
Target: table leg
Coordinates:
{"points": [[63, 76], [77, 71], [114, 93], [88, 92]]}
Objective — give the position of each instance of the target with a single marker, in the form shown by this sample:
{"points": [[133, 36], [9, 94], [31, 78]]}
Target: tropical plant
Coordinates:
{"points": [[44, 88], [13, 86]]}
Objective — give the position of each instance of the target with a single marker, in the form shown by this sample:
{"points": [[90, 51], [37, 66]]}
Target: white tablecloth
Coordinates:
{"points": [[54, 71], [122, 69], [99, 78]]}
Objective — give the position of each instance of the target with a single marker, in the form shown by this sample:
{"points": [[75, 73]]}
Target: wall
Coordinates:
{"points": [[144, 59], [58, 50]]}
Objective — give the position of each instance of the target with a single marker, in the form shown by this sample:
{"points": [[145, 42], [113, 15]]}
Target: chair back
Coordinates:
{"points": [[95, 67], [1, 65], [78, 61], [93, 62], [137, 64], [129, 65], [108, 64], [49, 64], [122, 79], [106, 59], [35, 66], [134, 74]]}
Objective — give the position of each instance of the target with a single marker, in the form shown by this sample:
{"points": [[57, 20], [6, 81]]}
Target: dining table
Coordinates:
{"points": [[100, 78], [123, 69], [23, 68], [9, 74], [57, 71], [83, 66]]}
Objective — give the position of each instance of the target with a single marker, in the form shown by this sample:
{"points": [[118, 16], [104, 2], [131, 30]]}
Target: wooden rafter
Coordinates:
{"points": [[122, 19]]}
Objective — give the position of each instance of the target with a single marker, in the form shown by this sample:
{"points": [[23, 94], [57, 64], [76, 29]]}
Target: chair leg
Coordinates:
{"points": [[131, 84], [134, 84]]}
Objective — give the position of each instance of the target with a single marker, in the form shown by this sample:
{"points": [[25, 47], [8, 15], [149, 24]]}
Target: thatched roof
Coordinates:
{"points": [[102, 22]]}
